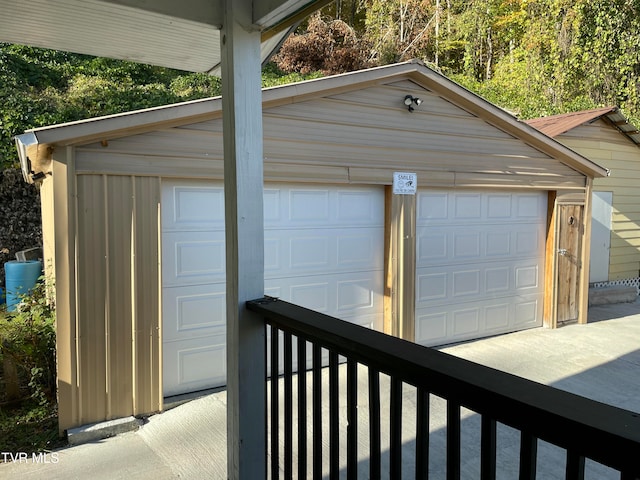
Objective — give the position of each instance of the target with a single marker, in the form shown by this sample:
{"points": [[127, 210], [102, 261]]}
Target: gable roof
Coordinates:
{"points": [[130, 123], [555, 125]]}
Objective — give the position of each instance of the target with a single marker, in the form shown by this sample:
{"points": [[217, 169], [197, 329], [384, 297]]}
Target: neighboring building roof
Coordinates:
{"points": [[555, 125], [130, 123]]}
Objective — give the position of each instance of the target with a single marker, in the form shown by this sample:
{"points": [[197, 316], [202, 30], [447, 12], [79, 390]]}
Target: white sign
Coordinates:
{"points": [[405, 183]]}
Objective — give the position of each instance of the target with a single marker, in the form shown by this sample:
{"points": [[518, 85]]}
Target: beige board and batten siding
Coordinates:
{"points": [[118, 326], [358, 137], [603, 144]]}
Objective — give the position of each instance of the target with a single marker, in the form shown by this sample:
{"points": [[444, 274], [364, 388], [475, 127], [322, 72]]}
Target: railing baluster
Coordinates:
{"points": [[396, 429], [583, 427], [275, 405], [488, 449], [288, 406], [334, 424], [528, 456], [352, 419], [374, 425], [317, 411], [302, 409], [422, 435], [453, 440], [575, 466]]}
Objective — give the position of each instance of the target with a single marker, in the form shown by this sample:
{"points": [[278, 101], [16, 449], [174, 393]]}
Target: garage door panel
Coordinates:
{"points": [[479, 207], [313, 206], [349, 296], [439, 285], [193, 311], [480, 258], [438, 325], [292, 251], [191, 258], [443, 244], [195, 206], [194, 364]]}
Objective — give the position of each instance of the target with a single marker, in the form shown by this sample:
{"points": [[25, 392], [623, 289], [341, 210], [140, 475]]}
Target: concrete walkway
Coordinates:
{"points": [[600, 360]]}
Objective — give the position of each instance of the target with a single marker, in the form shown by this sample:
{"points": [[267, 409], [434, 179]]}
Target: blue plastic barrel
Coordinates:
{"points": [[20, 278]]}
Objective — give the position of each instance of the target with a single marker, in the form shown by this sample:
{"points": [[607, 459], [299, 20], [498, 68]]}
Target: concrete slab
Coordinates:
{"points": [[600, 360], [101, 430]]}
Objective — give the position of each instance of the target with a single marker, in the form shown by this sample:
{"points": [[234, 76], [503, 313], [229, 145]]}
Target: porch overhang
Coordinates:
{"points": [[182, 35]]}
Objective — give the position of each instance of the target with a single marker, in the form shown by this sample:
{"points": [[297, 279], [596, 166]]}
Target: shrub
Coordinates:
{"points": [[27, 340]]}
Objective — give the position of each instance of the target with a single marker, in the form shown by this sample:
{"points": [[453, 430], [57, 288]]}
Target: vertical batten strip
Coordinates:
{"points": [[107, 292], [155, 337], [134, 364]]}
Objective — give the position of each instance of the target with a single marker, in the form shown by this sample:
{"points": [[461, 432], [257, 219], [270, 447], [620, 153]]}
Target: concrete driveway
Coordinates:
{"points": [[600, 360]]}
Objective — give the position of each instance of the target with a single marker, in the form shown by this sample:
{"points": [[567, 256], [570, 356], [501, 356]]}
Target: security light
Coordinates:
{"points": [[409, 100]]}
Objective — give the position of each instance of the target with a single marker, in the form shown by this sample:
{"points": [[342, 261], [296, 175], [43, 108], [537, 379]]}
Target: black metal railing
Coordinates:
{"points": [[584, 429]]}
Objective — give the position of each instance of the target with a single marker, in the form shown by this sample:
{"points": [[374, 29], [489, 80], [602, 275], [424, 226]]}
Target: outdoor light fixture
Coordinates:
{"points": [[409, 100]]}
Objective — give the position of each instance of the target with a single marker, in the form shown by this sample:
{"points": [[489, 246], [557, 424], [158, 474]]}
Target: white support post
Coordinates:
{"points": [[243, 183]]}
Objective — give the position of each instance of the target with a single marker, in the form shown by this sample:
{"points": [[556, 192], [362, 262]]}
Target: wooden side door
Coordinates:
{"points": [[568, 262]]}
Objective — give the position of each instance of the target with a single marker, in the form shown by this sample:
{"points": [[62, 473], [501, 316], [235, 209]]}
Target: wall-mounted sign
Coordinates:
{"points": [[405, 183]]}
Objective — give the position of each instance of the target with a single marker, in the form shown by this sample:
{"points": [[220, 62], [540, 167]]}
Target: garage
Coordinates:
{"points": [[323, 250], [480, 264], [494, 239]]}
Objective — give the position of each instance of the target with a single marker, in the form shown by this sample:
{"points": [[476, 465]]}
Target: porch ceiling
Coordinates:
{"points": [[183, 35]]}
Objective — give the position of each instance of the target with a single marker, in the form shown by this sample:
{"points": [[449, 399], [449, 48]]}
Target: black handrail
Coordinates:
{"points": [[584, 428]]}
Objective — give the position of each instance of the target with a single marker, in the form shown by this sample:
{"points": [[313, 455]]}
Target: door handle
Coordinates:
{"points": [[563, 252]]}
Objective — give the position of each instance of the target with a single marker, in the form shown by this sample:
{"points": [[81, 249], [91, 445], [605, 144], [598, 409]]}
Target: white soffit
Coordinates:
{"points": [[184, 35]]}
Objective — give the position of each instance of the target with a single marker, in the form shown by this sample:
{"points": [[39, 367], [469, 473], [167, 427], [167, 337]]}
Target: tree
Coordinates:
{"points": [[327, 46], [400, 30]]}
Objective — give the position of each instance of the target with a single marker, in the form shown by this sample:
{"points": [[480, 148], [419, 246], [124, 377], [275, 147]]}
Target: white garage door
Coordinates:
{"points": [[323, 250], [480, 264]]}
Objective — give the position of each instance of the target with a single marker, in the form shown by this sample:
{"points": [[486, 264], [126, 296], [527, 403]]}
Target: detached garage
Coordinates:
{"points": [[492, 240]]}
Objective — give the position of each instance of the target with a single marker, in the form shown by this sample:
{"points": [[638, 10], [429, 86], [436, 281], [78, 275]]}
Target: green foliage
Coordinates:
{"points": [[533, 57], [40, 87], [21, 226], [29, 427], [27, 338], [272, 76]]}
